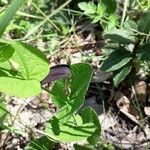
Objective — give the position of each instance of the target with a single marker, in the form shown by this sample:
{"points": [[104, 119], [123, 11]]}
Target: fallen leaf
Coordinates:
{"points": [[126, 107]]}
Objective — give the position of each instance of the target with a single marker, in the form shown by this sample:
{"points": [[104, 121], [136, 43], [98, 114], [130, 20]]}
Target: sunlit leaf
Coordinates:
{"points": [[88, 8], [81, 76], [69, 132], [22, 75], [78, 87]]}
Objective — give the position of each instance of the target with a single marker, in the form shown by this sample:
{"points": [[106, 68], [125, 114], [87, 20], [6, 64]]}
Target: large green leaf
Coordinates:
{"points": [[116, 60], [32, 63], [65, 113], [121, 74], [6, 52], [81, 76], [32, 67], [69, 132], [120, 36], [19, 87], [92, 117], [144, 23], [58, 94], [8, 15], [144, 52]]}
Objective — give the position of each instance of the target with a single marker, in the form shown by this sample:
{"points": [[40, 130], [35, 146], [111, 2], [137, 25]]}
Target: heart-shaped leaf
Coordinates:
{"points": [[22, 75], [32, 63], [80, 79]]}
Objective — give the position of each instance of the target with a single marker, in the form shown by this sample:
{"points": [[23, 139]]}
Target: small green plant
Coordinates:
{"points": [[104, 12], [23, 67], [128, 47], [68, 124]]}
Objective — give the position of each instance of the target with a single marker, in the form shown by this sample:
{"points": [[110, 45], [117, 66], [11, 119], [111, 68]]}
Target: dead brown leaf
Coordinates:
{"points": [[126, 107]]}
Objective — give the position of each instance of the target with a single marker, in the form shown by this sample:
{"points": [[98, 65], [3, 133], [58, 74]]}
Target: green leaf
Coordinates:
{"points": [[130, 25], [96, 19], [69, 104], [101, 9], [19, 87], [144, 52], [92, 117], [112, 21], [110, 5], [81, 77], [78, 87], [69, 132], [10, 12], [42, 143], [32, 63], [65, 113], [28, 66], [59, 97], [88, 8], [120, 36], [121, 74], [116, 60], [144, 23], [6, 52]]}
